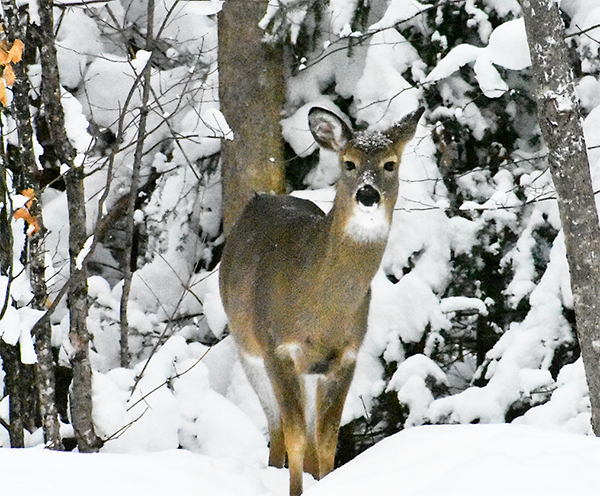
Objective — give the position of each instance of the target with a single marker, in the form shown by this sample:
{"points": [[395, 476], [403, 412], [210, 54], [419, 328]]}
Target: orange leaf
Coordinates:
{"points": [[16, 51], [34, 227], [23, 213], [3, 52], [28, 193], [3, 97], [9, 75]]}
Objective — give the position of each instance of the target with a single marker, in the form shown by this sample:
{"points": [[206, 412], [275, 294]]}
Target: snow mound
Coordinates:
{"points": [[470, 460]]}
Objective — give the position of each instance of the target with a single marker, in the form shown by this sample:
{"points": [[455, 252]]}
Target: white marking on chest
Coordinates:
{"points": [[368, 224]]}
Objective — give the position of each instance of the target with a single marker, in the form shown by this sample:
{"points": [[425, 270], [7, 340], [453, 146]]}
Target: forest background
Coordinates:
{"points": [[472, 313]]}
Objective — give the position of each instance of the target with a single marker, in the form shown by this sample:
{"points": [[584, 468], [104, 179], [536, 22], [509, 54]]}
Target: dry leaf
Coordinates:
{"points": [[3, 52], [9, 75], [28, 193], [16, 52], [23, 213], [6, 58], [3, 97]]}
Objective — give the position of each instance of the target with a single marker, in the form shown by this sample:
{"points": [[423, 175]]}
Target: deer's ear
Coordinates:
{"points": [[403, 131], [328, 129]]}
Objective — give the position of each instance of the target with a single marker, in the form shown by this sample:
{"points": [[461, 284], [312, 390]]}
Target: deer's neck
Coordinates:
{"points": [[349, 263]]}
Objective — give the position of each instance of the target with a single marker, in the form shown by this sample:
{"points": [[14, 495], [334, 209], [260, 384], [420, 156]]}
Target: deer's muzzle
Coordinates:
{"points": [[368, 196]]}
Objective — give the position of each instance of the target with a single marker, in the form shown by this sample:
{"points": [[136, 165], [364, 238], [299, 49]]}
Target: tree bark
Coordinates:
{"points": [[251, 92], [11, 362], [134, 188], [81, 388], [559, 117]]}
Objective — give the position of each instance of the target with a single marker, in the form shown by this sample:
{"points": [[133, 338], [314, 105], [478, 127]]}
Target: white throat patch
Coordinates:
{"points": [[368, 224]]}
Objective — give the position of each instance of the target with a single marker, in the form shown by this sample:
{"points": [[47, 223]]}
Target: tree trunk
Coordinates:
{"points": [[559, 116], [81, 388], [129, 262], [10, 364], [251, 92]]}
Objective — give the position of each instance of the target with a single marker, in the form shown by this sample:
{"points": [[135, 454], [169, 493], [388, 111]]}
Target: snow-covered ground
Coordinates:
{"points": [[465, 460]]}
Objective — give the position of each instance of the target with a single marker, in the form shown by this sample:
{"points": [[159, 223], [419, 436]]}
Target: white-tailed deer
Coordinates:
{"points": [[295, 284]]}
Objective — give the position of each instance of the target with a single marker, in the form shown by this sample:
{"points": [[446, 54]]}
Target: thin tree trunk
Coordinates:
{"points": [[11, 360], [251, 92], [81, 388], [133, 190], [10, 356], [559, 117]]}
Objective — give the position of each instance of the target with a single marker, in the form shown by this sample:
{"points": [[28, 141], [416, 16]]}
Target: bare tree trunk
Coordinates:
{"points": [[559, 117], [7, 352], [11, 360], [133, 190], [251, 92], [81, 388]]}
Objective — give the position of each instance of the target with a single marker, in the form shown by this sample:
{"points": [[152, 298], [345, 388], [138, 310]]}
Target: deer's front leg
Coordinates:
{"points": [[331, 396], [256, 372], [289, 391]]}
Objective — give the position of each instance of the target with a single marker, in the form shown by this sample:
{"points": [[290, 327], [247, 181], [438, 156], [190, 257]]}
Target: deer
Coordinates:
{"points": [[295, 285]]}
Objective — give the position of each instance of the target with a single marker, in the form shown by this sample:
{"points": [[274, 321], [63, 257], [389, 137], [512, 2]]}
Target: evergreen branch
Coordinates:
{"points": [[362, 37]]}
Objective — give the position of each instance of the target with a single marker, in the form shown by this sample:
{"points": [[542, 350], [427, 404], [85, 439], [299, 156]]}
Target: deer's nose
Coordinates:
{"points": [[368, 196]]}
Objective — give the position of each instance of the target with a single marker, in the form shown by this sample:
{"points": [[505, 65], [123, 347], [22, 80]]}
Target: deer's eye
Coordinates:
{"points": [[349, 165], [389, 166]]}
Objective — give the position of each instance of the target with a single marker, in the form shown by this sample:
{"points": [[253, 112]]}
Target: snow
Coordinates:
{"points": [[208, 8], [397, 12], [453, 460], [15, 328], [76, 44], [428, 460], [507, 47], [451, 205], [569, 408], [170, 472], [504, 7], [293, 15], [341, 13], [383, 93], [461, 304], [409, 382]]}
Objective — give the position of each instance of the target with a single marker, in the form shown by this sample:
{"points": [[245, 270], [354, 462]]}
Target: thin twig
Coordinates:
{"points": [[133, 188], [119, 432], [583, 31], [167, 381]]}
